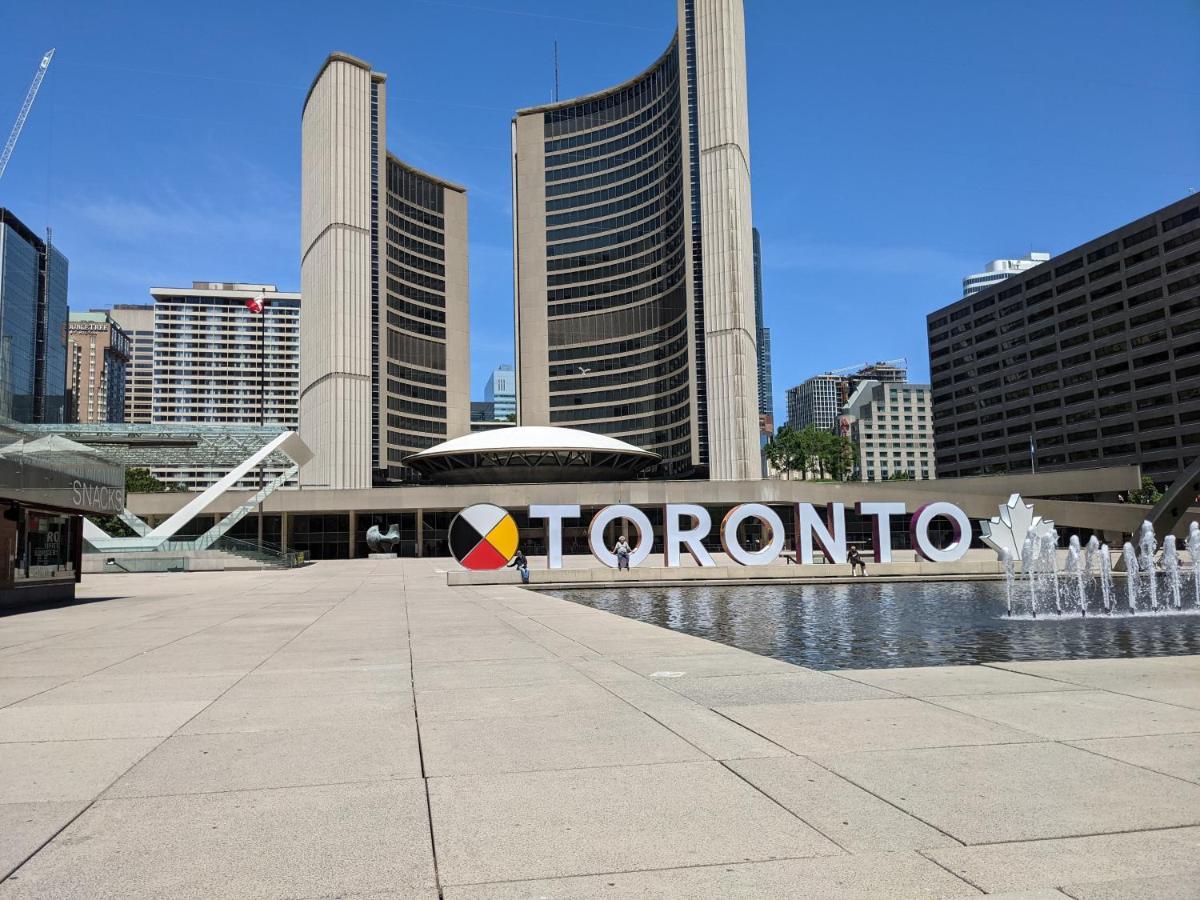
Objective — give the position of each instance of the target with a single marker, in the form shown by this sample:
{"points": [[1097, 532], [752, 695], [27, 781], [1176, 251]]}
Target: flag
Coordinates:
{"points": [[256, 304]]}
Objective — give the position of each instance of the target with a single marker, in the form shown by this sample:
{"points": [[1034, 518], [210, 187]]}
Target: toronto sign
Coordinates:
{"points": [[485, 536]]}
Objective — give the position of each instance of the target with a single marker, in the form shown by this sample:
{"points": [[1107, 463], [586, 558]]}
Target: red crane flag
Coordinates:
{"points": [[256, 304]]}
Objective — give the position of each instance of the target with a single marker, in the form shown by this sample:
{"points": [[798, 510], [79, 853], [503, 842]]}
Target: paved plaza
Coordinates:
{"points": [[359, 728]]}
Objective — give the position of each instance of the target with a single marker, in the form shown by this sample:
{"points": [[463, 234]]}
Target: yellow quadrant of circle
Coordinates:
{"points": [[504, 537]]}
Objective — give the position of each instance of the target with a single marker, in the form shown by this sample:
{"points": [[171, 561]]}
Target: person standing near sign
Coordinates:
{"points": [[522, 565], [622, 550]]}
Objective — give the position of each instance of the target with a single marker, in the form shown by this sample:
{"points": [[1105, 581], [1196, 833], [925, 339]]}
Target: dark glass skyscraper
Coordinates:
{"points": [[766, 396], [33, 325]]}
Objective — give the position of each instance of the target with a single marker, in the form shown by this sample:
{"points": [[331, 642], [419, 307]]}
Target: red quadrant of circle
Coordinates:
{"points": [[484, 556]]}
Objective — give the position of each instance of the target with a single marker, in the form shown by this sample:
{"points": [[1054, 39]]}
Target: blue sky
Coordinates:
{"points": [[895, 146]]}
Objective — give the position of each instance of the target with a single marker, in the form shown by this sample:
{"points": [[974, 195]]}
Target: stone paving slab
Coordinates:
{"points": [[1095, 859], [1171, 754], [553, 824], [575, 740], [15, 689], [105, 688], [514, 700], [1017, 792], [857, 725], [801, 687], [564, 751], [1077, 715], [297, 842], [65, 770], [861, 877], [94, 721], [24, 827], [304, 713], [1169, 887], [205, 763], [1169, 679], [856, 820], [942, 681], [494, 674]]}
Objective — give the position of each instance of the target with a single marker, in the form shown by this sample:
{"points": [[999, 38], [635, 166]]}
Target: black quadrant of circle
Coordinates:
{"points": [[463, 538]]}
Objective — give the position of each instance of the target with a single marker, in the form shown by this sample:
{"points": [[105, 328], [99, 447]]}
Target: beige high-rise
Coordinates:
{"points": [[98, 354], [634, 252], [384, 351]]}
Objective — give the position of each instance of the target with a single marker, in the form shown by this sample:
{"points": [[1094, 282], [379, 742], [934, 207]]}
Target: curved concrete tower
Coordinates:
{"points": [[634, 256], [384, 361]]}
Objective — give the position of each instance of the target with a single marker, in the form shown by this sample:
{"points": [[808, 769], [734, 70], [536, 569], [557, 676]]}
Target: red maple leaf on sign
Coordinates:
{"points": [[256, 304]]}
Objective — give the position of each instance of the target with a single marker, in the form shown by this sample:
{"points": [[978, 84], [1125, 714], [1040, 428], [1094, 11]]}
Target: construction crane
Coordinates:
{"points": [[901, 363], [24, 113]]}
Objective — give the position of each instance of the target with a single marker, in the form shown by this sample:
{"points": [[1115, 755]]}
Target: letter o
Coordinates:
{"points": [[739, 554], [620, 511], [919, 531]]}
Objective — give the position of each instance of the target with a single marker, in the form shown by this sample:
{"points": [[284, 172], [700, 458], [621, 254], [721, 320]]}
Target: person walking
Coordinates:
{"points": [[521, 564], [622, 549], [856, 562]]}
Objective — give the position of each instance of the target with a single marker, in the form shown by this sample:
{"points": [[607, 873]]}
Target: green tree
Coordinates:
{"points": [[776, 451], [899, 476], [843, 453], [140, 481], [1149, 493], [811, 443], [137, 481]]}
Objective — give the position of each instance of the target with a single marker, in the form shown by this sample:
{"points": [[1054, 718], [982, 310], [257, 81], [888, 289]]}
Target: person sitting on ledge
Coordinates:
{"points": [[622, 550], [856, 561], [522, 565]]}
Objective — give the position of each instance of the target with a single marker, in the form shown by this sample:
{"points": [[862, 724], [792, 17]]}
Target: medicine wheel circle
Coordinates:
{"points": [[483, 537]]}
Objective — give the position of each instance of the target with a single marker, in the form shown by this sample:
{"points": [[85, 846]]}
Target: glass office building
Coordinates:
{"points": [[33, 323]]}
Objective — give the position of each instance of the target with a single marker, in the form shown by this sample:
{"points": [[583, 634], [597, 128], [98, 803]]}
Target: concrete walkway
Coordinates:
{"points": [[360, 729]]}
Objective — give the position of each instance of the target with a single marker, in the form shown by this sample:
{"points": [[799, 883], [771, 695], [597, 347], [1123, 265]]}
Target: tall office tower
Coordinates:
{"points": [[816, 401], [383, 270], [1090, 359], [635, 270], [766, 393], [999, 270], [137, 321], [218, 360], [501, 392], [97, 364], [33, 324]]}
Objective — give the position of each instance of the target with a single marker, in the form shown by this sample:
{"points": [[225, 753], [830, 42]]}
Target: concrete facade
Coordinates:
{"points": [[892, 427], [137, 321], [218, 362], [331, 524], [1089, 359], [635, 278], [98, 352], [384, 336]]}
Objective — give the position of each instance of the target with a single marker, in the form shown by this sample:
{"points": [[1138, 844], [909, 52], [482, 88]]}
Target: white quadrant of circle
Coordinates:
{"points": [[483, 517]]}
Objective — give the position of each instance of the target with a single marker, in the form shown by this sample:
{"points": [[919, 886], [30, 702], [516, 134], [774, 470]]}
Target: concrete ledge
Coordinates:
{"points": [[659, 575]]}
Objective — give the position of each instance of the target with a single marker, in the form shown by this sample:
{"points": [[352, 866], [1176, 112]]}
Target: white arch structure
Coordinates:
{"points": [[288, 443]]}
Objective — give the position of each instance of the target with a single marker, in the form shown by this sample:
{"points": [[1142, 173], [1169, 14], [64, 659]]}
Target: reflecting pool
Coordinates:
{"points": [[881, 625]]}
